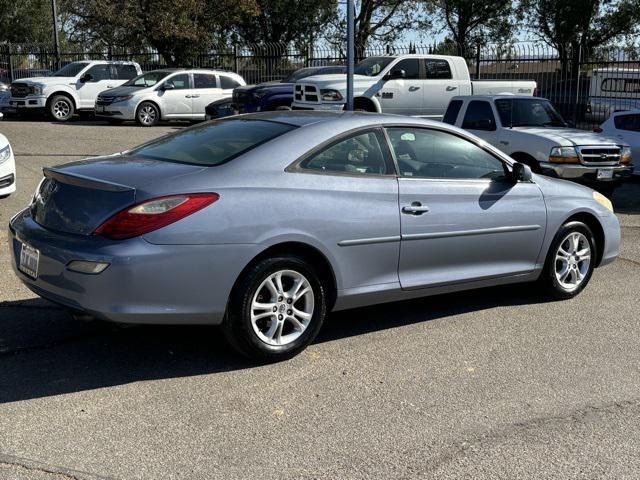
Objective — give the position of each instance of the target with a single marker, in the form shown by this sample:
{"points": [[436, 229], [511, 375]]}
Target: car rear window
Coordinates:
{"points": [[213, 143]]}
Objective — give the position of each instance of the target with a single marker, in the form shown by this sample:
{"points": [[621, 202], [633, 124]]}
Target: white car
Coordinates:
{"points": [[625, 126], [531, 131], [418, 85], [7, 168], [168, 94], [72, 88]]}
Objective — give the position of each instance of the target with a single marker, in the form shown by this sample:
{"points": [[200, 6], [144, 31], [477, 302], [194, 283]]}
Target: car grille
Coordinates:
{"points": [[102, 101], [306, 93], [20, 90], [594, 155]]}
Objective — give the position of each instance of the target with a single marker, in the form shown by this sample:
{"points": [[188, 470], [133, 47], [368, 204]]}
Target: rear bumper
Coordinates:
{"points": [[144, 283], [582, 173]]}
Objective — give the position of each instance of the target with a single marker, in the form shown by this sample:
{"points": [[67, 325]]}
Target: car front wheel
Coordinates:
{"points": [[61, 108], [276, 310], [148, 114], [570, 261]]}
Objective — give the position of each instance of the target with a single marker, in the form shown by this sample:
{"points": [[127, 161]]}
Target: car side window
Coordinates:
{"points": [[451, 115], [204, 80], [99, 72], [411, 67], [358, 154], [629, 123], [180, 82], [424, 153], [227, 83], [479, 116], [126, 72], [438, 69]]}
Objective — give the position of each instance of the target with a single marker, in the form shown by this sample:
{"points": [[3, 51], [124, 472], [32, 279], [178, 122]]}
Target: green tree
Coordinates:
{"points": [[25, 21], [468, 22], [579, 25], [177, 29]]}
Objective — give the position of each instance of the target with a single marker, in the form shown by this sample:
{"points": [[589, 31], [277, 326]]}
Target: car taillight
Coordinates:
{"points": [[153, 214]]}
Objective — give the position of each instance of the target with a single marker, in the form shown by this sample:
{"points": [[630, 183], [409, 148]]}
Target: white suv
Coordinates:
{"points": [[74, 87], [168, 94]]}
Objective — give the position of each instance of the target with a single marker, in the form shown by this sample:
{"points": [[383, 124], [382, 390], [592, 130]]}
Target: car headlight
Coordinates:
{"points": [[36, 89], [4, 87], [5, 153], [625, 155], [122, 98], [602, 200], [331, 95], [564, 155]]}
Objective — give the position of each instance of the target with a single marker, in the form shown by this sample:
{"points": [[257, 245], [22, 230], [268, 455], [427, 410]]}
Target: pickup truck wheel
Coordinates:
{"points": [[148, 114], [61, 108], [570, 261]]}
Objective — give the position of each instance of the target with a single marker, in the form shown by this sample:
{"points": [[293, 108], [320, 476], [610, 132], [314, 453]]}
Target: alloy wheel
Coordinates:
{"points": [[147, 115], [282, 307], [572, 262], [61, 109]]}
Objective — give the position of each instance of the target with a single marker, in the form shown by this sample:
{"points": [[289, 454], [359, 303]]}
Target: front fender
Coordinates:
{"points": [[52, 90]]}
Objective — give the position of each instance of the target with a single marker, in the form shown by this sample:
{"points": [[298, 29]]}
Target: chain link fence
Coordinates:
{"points": [[586, 87]]}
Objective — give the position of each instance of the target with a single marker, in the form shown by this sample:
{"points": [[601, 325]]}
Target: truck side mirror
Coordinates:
{"points": [[521, 172], [394, 74], [87, 77]]}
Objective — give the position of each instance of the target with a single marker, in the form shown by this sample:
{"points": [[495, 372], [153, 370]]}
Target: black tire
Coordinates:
{"points": [[60, 108], [548, 280], [238, 328], [147, 114]]}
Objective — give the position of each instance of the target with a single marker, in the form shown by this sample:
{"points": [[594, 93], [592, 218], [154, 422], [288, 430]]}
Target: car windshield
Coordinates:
{"points": [[372, 66], [213, 143], [528, 112], [71, 70], [147, 79]]}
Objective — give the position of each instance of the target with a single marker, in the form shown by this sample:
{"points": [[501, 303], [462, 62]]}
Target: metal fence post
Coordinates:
{"points": [[10, 58], [575, 105], [478, 61], [236, 67]]}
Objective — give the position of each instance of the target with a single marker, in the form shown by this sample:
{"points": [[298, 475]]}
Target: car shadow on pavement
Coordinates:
{"points": [[45, 352]]}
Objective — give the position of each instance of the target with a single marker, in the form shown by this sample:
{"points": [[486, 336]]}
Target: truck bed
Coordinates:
{"points": [[499, 87]]}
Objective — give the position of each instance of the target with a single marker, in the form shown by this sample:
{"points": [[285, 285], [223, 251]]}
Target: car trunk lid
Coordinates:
{"points": [[78, 197]]}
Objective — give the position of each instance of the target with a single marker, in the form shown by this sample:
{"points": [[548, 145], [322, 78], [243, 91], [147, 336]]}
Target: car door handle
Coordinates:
{"points": [[504, 142], [195, 96], [451, 88], [416, 208], [413, 88]]}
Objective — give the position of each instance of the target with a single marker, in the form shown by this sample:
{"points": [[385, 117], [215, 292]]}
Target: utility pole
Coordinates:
{"points": [[350, 53], [56, 39]]}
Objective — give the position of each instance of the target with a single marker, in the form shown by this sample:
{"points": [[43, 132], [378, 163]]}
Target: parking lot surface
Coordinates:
{"points": [[494, 383]]}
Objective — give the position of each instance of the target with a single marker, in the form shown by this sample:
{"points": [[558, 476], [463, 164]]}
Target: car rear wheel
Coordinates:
{"points": [[276, 309], [570, 261], [148, 114], [61, 108]]}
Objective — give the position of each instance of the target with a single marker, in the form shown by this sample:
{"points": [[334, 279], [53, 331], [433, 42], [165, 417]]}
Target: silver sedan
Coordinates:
{"points": [[264, 223]]}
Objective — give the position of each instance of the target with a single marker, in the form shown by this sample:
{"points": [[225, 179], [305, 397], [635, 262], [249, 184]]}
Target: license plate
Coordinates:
{"points": [[605, 174], [29, 260]]}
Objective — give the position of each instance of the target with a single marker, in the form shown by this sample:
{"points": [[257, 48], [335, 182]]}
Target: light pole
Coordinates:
{"points": [[56, 39], [350, 53]]}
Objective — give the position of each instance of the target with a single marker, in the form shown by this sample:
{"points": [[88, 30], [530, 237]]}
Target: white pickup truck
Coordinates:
{"points": [[74, 87], [532, 132], [418, 85]]}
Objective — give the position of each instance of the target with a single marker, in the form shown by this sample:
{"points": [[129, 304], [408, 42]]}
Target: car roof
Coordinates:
{"points": [[301, 118]]}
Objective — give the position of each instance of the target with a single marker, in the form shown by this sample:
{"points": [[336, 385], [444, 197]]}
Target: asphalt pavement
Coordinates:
{"points": [[489, 384]]}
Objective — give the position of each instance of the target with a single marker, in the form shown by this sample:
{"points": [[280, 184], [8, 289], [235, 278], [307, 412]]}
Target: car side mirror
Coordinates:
{"points": [[87, 77], [394, 74], [521, 172], [168, 86]]}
